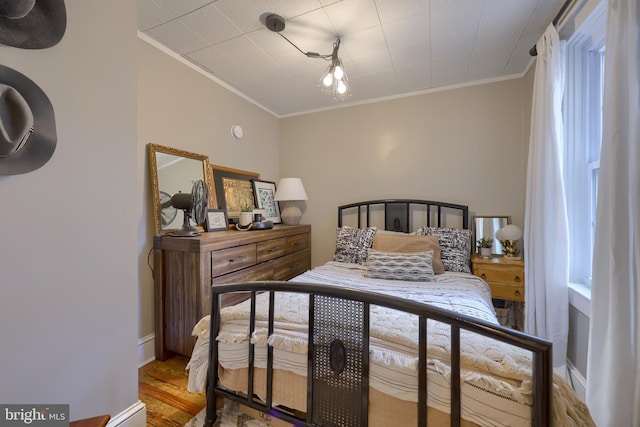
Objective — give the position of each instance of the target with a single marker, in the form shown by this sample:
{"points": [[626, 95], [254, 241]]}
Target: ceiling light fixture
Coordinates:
{"points": [[334, 81]]}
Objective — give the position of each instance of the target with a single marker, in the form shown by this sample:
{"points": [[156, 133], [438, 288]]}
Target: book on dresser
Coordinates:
{"points": [[185, 268]]}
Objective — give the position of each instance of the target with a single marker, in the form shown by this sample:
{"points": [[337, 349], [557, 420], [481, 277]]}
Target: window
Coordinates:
{"points": [[582, 114]]}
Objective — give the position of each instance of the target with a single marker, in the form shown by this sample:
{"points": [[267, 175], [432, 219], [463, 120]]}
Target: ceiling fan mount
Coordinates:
{"points": [[275, 22]]}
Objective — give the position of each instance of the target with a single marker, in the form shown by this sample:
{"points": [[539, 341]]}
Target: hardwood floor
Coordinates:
{"points": [[162, 387]]}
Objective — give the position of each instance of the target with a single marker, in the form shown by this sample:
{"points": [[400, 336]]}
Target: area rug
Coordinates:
{"points": [[228, 416]]}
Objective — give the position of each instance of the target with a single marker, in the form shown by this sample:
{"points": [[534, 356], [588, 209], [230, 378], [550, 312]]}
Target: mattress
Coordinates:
{"points": [[496, 379]]}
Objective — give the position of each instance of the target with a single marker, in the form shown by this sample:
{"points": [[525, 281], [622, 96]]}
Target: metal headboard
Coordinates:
{"points": [[397, 212]]}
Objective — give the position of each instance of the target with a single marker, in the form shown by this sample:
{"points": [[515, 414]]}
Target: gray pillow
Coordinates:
{"points": [[412, 266]]}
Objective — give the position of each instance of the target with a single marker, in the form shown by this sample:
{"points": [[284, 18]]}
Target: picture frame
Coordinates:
{"points": [[232, 190], [264, 193], [216, 220]]}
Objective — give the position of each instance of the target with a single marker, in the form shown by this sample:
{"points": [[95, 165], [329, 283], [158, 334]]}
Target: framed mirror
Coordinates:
{"points": [[173, 171], [486, 227]]}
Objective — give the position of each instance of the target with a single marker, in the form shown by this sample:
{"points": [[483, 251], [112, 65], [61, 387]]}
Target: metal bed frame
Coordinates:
{"points": [[397, 212], [338, 358]]}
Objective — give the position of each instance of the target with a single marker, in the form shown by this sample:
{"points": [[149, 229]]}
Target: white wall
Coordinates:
{"points": [[69, 301], [465, 145], [179, 107]]}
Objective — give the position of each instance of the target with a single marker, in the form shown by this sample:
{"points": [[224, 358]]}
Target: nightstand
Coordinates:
{"points": [[505, 277]]}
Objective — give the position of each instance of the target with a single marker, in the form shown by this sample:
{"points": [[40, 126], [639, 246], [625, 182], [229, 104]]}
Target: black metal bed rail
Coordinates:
{"points": [[542, 374], [406, 203]]}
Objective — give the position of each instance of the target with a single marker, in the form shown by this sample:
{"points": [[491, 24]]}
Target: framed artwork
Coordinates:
{"points": [[232, 190], [216, 220], [264, 193]]}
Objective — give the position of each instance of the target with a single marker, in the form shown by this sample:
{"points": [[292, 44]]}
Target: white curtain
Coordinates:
{"points": [[546, 233], [613, 368]]}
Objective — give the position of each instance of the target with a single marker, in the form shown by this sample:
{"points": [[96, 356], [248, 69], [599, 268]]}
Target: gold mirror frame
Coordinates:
{"points": [[486, 226], [153, 150]]}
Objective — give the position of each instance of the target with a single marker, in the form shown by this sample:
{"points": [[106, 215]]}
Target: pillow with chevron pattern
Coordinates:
{"points": [[412, 266], [402, 242]]}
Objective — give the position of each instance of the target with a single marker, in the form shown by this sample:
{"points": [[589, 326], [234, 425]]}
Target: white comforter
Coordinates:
{"points": [[488, 365]]}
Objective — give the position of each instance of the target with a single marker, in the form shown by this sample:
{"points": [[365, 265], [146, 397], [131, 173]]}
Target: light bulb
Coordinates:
{"points": [[338, 72], [328, 80], [342, 88]]}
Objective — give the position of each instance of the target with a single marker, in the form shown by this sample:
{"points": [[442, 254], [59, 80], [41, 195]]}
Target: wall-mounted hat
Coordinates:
{"points": [[32, 24], [27, 124]]}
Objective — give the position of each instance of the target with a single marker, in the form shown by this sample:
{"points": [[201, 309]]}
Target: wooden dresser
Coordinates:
{"points": [[186, 267], [504, 276]]}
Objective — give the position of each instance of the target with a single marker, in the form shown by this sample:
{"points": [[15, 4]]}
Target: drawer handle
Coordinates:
{"points": [[483, 276], [517, 279], [239, 259], [277, 248], [517, 293]]}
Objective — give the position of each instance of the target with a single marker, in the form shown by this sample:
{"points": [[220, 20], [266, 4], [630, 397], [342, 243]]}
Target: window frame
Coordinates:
{"points": [[582, 116]]}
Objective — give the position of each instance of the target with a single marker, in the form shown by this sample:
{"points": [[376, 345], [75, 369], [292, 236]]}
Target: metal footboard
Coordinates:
{"points": [[338, 368]]}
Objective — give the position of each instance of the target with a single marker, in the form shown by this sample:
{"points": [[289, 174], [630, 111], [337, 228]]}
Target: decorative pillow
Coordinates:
{"points": [[352, 244], [455, 246], [407, 243], [414, 266]]}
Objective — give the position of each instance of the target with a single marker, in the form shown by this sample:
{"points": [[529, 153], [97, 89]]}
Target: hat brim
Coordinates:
{"points": [[42, 143], [41, 28]]}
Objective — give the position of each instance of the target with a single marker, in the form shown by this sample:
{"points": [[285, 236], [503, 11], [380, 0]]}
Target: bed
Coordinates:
{"points": [[393, 330]]}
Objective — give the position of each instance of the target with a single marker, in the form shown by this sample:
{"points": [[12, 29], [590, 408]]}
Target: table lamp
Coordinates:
{"points": [[291, 192], [508, 237]]}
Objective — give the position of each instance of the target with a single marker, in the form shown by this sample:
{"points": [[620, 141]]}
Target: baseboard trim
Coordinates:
{"points": [[577, 381], [146, 349], [134, 416]]}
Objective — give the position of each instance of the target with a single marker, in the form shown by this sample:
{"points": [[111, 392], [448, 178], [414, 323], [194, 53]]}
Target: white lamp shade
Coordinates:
{"points": [[509, 232], [290, 189]]}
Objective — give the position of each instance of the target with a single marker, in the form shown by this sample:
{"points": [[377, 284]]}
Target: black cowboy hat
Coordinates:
{"points": [[32, 24], [27, 124]]}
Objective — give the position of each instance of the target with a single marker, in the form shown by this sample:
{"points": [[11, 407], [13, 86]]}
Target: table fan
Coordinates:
{"points": [[191, 203], [169, 213]]}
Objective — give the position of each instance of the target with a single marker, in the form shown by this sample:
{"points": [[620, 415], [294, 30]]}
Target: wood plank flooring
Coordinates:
{"points": [[162, 387]]}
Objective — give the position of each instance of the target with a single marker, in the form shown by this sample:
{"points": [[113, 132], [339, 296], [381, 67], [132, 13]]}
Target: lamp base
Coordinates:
{"points": [[291, 213], [509, 249]]}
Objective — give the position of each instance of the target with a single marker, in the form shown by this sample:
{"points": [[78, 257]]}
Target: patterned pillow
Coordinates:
{"points": [[401, 242], [414, 266], [352, 244], [455, 246]]}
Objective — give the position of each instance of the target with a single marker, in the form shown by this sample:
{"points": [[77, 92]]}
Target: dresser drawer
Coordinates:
{"points": [[291, 265], [507, 292], [252, 274], [297, 242], [256, 273], [232, 259], [270, 249], [503, 275]]}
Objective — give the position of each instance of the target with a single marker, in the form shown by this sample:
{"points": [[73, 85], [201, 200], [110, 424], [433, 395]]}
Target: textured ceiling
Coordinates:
{"points": [[388, 47]]}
